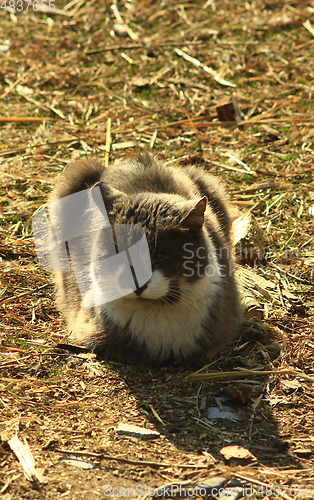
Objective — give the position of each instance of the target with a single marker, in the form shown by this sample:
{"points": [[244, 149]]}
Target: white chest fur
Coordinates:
{"points": [[165, 326]]}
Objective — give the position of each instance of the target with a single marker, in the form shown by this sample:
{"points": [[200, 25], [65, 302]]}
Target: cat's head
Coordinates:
{"points": [[177, 241]]}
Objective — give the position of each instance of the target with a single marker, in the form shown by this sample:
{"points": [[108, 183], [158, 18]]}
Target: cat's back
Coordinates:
{"points": [[145, 173], [136, 174], [139, 173]]}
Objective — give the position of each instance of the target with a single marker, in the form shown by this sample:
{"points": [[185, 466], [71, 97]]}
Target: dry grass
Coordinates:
{"points": [[70, 88]]}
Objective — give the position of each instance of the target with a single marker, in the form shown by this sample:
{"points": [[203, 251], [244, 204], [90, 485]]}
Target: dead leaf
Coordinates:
{"points": [[237, 455]]}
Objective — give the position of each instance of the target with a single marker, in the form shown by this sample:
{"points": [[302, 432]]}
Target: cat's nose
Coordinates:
{"points": [[141, 289]]}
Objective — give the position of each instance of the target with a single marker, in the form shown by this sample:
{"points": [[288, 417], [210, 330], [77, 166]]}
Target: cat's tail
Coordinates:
{"points": [[79, 175]]}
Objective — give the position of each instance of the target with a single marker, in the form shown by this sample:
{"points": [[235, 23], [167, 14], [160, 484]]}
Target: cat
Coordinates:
{"points": [[189, 307]]}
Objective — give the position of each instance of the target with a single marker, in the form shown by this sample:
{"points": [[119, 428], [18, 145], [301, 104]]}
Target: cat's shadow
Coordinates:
{"points": [[178, 407]]}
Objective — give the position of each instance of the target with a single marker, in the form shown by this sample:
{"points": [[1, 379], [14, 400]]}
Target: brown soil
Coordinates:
{"points": [[69, 71]]}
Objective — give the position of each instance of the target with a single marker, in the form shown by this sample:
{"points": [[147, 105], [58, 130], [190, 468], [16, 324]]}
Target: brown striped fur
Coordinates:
{"points": [[182, 314]]}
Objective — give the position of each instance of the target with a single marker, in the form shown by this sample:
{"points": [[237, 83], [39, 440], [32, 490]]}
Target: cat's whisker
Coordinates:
{"points": [[177, 296], [184, 295]]}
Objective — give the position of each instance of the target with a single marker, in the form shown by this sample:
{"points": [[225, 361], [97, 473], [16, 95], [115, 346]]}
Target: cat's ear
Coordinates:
{"points": [[195, 217], [103, 193]]}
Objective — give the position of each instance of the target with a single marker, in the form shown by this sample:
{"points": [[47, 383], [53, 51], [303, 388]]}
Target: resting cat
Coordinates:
{"points": [[189, 309]]}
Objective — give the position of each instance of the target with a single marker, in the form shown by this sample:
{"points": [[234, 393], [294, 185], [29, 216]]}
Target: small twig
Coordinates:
{"points": [[208, 70], [227, 167], [153, 139], [297, 278], [116, 12], [108, 142], [14, 361], [46, 144], [298, 47], [306, 243], [251, 479], [69, 5], [239, 162], [278, 198], [289, 239], [242, 372], [26, 459], [127, 461], [14, 84], [254, 406], [281, 298], [158, 75], [192, 124], [154, 412], [207, 425], [260, 185], [29, 292], [207, 4], [56, 11], [309, 27], [197, 398], [143, 45], [9, 119], [119, 18], [42, 106]]}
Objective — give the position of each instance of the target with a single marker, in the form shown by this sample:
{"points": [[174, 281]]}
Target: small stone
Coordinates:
{"points": [[209, 484], [290, 386], [140, 81], [80, 463], [135, 431], [120, 30], [225, 412], [303, 452]]}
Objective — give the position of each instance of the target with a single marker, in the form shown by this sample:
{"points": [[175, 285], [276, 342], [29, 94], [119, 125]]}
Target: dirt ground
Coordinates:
{"points": [[95, 78]]}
